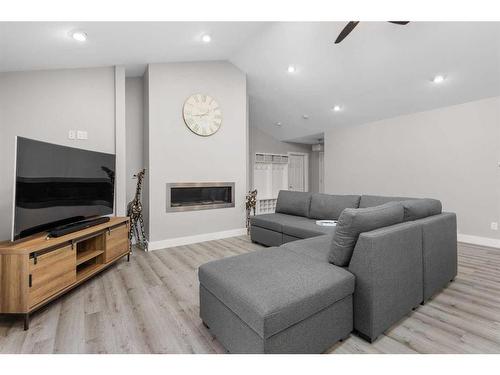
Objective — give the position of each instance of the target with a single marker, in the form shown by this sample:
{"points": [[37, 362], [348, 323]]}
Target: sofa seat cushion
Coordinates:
{"points": [[293, 203], [276, 221], [353, 222], [329, 207], [317, 248], [305, 229], [273, 289]]}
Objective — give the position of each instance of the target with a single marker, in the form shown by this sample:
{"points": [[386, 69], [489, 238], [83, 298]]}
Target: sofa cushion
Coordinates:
{"points": [[377, 200], [317, 248], [305, 229], [266, 237], [276, 221], [353, 222], [329, 207], [273, 289], [293, 203], [415, 209]]}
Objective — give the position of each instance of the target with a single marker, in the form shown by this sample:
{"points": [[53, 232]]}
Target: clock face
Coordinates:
{"points": [[202, 114]]}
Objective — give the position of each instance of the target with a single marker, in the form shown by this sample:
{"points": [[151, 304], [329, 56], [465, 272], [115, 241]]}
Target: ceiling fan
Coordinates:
{"points": [[351, 25]]}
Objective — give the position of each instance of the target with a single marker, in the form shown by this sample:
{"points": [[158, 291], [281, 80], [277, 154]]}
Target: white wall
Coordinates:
{"points": [[44, 105], [178, 155], [260, 141], [451, 154], [134, 120]]}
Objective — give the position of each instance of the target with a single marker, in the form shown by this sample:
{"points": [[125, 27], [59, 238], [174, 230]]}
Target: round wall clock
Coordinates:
{"points": [[202, 114]]}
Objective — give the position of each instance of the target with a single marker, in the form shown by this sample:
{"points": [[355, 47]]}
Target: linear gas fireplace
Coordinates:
{"points": [[191, 196]]}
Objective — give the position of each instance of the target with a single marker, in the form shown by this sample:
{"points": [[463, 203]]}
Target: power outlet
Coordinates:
{"points": [[494, 225], [71, 134], [82, 134]]}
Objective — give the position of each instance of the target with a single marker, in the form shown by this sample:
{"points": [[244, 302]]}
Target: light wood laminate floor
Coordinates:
{"points": [[150, 305]]}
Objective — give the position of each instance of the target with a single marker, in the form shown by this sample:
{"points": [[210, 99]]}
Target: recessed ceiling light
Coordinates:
{"points": [[336, 108], [291, 69], [278, 124], [438, 79], [206, 38], [79, 36]]}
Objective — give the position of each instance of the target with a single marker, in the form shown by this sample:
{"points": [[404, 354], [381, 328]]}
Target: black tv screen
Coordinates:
{"points": [[58, 185]]}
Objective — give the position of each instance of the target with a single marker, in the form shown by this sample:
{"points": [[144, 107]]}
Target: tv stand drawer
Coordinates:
{"points": [[116, 242], [51, 272]]}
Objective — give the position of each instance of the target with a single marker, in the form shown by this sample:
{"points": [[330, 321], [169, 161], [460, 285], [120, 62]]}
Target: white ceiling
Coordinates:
{"points": [[379, 71], [49, 45]]}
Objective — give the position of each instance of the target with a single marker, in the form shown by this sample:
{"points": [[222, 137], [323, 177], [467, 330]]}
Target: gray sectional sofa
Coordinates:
{"points": [[316, 284]]}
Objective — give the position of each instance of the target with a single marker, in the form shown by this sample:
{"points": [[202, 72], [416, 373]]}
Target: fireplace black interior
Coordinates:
{"points": [[193, 196], [199, 196]]}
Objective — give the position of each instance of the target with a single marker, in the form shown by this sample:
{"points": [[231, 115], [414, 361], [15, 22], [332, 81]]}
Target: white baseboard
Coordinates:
{"points": [[479, 241], [179, 241]]}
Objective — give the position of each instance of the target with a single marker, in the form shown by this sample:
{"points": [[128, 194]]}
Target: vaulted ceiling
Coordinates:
{"points": [[380, 70]]}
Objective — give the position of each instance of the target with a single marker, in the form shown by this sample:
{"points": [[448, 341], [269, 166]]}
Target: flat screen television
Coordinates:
{"points": [[58, 185]]}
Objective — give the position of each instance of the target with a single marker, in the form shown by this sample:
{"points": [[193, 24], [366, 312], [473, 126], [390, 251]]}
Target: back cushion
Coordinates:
{"points": [[293, 203], [353, 222], [419, 208], [415, 208], [329, 207], [377, 200]]}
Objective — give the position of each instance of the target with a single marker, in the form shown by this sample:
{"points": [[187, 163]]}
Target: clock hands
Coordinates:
{"points": [[200, 114]]}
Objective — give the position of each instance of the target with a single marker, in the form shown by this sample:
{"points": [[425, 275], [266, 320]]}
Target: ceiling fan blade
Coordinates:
{"points": [[346, 31], [399, 22]]}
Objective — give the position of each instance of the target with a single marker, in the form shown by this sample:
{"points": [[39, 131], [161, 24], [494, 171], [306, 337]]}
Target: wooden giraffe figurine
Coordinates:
{"points": [[134, 212]]}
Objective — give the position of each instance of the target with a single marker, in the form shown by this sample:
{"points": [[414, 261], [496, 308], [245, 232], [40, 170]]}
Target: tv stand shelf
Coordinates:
{"points": [[87, 255], [36, 270], [87, 271]]}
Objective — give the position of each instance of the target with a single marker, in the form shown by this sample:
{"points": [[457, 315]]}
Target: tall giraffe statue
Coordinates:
{"points": [[134, 212], [250, 203]]}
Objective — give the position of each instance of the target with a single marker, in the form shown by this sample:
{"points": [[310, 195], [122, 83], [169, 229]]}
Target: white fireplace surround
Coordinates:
{"points": [[173, 153]]}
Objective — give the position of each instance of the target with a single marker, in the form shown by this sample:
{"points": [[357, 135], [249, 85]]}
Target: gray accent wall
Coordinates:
{"points": [[120, 143], [145, 151], [134, 120], [451, 154], [178, 155], [45, 105], [314, 171]]}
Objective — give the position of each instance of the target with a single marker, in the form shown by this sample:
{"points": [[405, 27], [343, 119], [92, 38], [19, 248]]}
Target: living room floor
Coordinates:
{"points": [[150, 305]]}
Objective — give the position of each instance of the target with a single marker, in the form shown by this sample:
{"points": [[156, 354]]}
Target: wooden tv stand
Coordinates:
{"points": [[36, 270]]}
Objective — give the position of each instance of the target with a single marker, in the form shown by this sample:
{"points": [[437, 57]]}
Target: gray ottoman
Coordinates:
{"points": [[276, 301]]}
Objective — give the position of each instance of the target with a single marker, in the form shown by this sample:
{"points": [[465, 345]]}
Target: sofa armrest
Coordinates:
{"points": [[387, 263], [439, 249]]}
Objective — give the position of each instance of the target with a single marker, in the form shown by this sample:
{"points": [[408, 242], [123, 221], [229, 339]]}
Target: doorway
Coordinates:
{"points": [[298, 171], [321, 166]]}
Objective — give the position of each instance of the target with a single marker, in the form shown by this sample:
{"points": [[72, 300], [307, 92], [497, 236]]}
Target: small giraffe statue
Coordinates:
{"points": [[134, 212]]}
